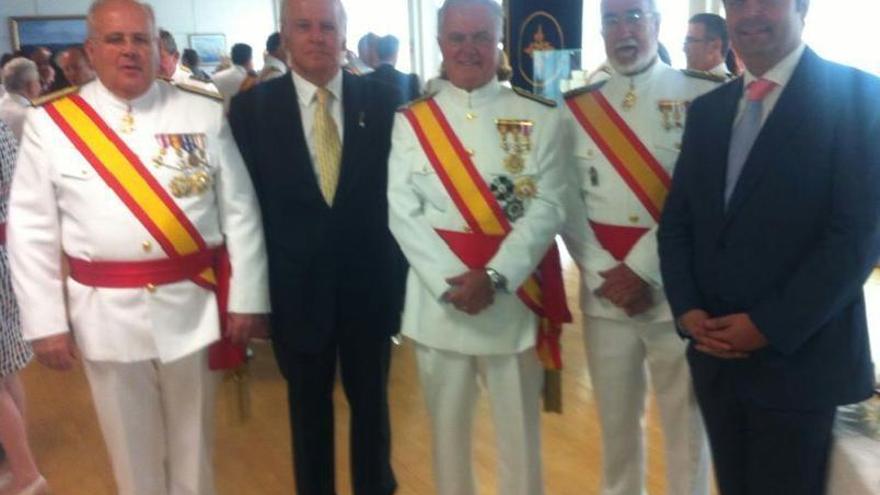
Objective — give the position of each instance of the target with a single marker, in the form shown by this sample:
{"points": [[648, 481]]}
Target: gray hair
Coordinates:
{"points": [[493, 7], [167, 42], [98, 4], [18, 73], [341, 16]]}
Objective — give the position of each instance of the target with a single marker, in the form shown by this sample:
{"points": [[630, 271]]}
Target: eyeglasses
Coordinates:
{"points": [[632, 18]]}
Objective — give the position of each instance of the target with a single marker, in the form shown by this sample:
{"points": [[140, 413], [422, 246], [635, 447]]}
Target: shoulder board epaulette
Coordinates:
{"points": [[532, 96], [200, 78], [701, 74], [199, 91], [584, 89], [46, 98], [424, 97]]}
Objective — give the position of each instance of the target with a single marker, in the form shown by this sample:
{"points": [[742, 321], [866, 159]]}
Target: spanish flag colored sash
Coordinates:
{"points": [[543, 292], [127, 176], [636, 165]]}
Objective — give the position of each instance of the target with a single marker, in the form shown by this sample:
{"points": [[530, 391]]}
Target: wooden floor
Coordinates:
{"points": [[254, 458]]}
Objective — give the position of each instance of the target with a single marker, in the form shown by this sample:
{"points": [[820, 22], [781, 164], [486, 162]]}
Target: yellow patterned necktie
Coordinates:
{"points": [[327, 147]]}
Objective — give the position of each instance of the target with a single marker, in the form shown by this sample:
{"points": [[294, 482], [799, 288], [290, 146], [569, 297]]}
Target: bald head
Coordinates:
{"points": [[123, 46]]}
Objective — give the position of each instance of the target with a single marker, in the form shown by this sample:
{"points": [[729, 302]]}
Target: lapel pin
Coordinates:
{"points": [[361, 122]]}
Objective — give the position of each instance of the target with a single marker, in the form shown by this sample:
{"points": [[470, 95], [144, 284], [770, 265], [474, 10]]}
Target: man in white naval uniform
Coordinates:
{"points": [[144, 348], [239, 76], [173, 71], [273, 61], [468, 324], [706, 45], [612, 235]]}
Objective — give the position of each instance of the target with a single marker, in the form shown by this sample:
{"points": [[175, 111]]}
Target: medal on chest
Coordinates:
{"points": [[186, 154]]}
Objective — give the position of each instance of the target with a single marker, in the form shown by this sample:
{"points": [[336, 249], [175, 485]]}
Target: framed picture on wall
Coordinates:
{"points": [[53, 32], [210, 47]]}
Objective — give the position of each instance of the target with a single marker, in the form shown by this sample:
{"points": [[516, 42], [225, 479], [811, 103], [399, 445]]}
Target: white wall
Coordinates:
{"points": [[242, 21]]}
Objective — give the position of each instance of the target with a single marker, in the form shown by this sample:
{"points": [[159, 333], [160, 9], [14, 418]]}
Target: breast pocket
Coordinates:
{"points": [[666, 148], [587, 161], [429, 188]]}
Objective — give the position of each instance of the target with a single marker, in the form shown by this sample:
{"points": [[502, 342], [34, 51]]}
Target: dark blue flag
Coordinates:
{"points": [[534, 25]]}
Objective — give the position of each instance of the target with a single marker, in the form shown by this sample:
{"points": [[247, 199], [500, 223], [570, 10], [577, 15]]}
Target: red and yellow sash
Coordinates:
{"points": [[636, 165], [543, 292], [127, 176]]}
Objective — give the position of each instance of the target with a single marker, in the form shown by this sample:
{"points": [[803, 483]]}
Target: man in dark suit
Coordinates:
{"points": [[407, 85], [769, 232], [316, 142]]}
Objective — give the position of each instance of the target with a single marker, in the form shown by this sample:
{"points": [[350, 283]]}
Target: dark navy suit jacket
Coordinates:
{"points": [[328, 266], [796, 242]]}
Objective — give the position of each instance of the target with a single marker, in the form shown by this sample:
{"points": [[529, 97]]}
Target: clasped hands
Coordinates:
{"points": [[732, 336], [471, 292], [626, 290], [59, 352]]}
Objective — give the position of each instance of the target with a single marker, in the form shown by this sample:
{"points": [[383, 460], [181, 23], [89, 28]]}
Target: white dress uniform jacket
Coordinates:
{"points": [[229, 81], [419, 204], [272, 68], [182, 75], [59, 204], [607, 197]]}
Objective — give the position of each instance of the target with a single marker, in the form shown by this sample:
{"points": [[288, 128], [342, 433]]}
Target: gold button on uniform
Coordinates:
{"points": [[634, 218], [470, 152], [470, 116], [150, 288], [148, 246]]}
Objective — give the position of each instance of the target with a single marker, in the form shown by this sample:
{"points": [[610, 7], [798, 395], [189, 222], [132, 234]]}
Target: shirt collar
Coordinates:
{"points": [[720, 69], [142, 102], [21, 100], [477, 97], [305, 90], [781, 72]]}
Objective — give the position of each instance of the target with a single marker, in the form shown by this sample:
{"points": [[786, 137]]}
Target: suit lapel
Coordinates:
{"points": [[355, 121], [771, 145], [286, 125], [721, 124]]}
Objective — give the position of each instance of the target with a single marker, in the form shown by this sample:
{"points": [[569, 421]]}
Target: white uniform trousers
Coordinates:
{"points": [[617, 352], [450, 383], [158, 423]]}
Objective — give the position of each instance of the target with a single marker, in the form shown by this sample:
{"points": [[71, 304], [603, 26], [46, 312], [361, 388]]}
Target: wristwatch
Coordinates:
{"points": [[499, 282]]}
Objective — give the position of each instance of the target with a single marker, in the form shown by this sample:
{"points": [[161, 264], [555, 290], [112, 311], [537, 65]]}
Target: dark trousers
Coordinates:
{"points": [[363, 365], [757, 450]]}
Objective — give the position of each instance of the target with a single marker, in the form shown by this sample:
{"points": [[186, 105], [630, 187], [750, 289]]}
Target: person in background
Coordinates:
{"points": [[274, 64], [768, 235], [316, 143], [42, 56], [362, 63], [149, 245], [75, 65], [707, 44], [622, 171], [15, 353], [21, 78], [190, 60], [239, 77], [464, 311], [172, 70], [407, 85]]}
